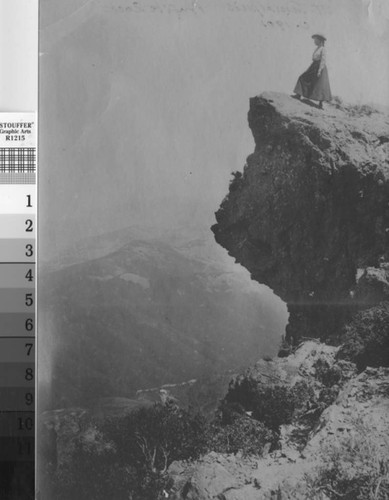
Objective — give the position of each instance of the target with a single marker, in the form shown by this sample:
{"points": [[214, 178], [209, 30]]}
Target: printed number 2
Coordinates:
{"points": [[29, 226]]}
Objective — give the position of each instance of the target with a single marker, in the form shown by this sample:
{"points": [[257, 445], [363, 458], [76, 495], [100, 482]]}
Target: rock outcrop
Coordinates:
{"points": [[358, 417], [309, 216]]}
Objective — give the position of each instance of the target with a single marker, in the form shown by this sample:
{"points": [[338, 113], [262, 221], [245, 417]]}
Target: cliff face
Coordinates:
{"points": [[309, 216]]}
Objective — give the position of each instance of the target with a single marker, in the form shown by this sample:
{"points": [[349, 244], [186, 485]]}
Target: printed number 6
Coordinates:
{"points": [[29, 324]]}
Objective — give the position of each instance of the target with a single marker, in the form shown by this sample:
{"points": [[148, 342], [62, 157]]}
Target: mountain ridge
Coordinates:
{"points": [[148, 300]]}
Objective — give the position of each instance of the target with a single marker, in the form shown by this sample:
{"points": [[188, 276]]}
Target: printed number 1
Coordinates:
{"points": [[29, 201]]}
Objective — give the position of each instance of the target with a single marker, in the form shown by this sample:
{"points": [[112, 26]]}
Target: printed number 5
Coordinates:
{"points": [[29, 299]]}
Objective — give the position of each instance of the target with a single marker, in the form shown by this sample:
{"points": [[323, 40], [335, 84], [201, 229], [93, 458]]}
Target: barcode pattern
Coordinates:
{"points": [[17, 160], [17, 165]]}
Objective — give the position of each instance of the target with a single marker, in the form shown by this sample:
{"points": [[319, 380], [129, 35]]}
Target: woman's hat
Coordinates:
{"points": [[319, 35]]}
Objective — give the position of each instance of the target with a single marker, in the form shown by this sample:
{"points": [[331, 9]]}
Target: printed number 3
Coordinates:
{"points": [[29, 250]]}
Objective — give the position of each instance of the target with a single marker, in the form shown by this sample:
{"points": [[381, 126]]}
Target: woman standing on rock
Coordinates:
{"points": [[314, 83]]}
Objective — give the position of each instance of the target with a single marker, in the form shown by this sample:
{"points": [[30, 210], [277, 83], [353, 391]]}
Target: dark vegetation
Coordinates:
{"points": [[236, 180], [272, 404], [326, 374], [128, 457], [366, 338], [233, 431], [131, 460]]}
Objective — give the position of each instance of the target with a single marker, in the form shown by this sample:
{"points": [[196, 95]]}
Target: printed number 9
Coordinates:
{"points": [[29, 398]]}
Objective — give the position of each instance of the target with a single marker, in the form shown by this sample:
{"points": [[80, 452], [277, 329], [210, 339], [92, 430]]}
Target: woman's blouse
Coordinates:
{"points": [[320, 55]]}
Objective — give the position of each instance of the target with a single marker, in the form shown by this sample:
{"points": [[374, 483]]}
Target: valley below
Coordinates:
{"points": [[128, 311]]}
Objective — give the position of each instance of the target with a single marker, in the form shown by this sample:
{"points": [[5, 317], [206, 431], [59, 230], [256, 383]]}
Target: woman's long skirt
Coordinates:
{"points": [[314, 87]]}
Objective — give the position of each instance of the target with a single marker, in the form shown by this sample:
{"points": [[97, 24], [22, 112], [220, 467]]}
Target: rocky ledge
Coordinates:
{"points": [[323, 444], [309, 215]]}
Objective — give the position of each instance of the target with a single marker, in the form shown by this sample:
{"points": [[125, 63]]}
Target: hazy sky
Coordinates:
{"points": [[143, 105]]}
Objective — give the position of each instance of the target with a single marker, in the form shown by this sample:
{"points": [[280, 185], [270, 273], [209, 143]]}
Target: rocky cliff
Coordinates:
{"points": [[309, 215]]}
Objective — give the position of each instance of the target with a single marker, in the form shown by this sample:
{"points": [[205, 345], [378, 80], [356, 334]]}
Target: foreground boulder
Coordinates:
{"points": [[347, 446]]}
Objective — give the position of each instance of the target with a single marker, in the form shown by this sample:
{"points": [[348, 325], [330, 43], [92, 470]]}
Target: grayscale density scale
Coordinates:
{"points": [[18, 249]]}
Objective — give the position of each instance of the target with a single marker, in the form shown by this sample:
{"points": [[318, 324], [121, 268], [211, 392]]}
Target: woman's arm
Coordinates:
{"points": [[323, 61]]}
